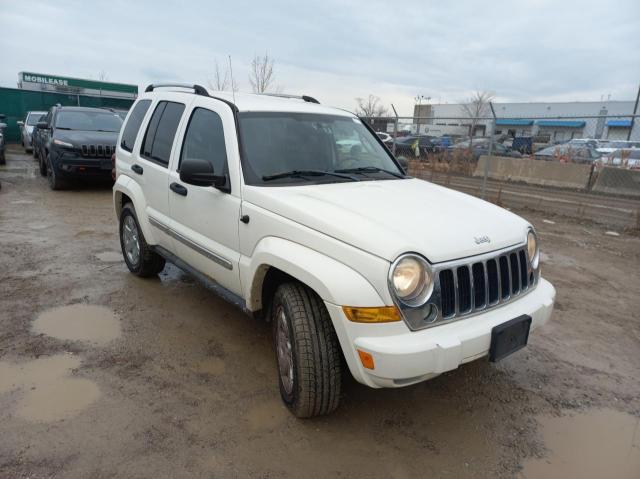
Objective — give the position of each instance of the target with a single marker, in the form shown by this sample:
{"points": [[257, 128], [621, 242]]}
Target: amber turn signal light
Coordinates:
{"points": [[385, 314], [366, 359]]}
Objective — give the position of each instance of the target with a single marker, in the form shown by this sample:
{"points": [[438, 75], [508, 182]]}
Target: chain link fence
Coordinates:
{"points": [[587, 167]]}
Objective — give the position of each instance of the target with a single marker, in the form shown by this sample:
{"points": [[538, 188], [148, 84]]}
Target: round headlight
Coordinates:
{"points": [[532, 249], [410, 278]]}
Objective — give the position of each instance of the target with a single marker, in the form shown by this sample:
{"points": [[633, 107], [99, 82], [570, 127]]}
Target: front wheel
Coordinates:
{"points": [[42, 165], [54, 180], [307, 351], [140, 258]]}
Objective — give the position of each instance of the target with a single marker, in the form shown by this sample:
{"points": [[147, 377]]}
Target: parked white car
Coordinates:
{"points": [[27, 126], [625, 158], [607, 147], [386, 138], [352, 261]]}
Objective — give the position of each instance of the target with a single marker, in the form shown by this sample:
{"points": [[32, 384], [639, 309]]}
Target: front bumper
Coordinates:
{"points": [[68, 163], [403, 357]]}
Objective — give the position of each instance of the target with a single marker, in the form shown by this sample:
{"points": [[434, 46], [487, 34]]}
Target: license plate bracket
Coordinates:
{"points": [[509, 337]]}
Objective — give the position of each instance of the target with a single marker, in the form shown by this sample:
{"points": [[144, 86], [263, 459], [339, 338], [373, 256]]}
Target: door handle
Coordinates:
{"points": [[137, 169], [178, 188]]}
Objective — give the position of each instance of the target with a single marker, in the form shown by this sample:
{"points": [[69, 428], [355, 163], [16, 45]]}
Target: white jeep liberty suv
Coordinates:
{"points": [[298, 213]]}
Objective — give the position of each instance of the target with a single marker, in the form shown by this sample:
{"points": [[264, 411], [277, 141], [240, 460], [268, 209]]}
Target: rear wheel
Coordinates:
{"points": [[140, 258], [307, 351]]}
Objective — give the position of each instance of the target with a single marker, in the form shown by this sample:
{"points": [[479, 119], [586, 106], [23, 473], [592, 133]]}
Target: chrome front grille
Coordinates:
{"points": [[470, 286], [97, 151], [476, 286]]}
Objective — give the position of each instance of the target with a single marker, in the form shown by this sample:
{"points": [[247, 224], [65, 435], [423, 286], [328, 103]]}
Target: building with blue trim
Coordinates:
{"points": [[559, 121]]}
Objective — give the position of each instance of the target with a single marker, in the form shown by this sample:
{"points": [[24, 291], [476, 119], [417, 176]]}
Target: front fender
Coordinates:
{"points": [[332, 280], [124, 185]]}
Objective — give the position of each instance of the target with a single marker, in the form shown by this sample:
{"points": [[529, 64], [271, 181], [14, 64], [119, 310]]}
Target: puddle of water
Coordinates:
{"points": [[597, 444], [79, 322], [39, 226], [110, 256], [49, 393]]}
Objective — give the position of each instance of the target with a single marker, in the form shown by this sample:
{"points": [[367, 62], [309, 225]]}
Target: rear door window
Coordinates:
{"points": [[161, 132], [133, 124]]}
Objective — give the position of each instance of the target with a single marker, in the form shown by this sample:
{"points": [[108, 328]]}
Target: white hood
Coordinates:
{"points": [[391, 217]]}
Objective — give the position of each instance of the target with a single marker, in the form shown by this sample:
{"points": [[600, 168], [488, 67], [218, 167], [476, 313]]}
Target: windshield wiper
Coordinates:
{"points": [[371, 169], [303, 173]]}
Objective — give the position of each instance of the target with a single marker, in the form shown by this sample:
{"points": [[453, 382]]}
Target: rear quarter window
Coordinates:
{"points": [[133, 124], [161, 132]]}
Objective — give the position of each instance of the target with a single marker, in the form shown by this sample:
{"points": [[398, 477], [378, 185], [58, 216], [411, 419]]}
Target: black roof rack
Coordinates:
{"points": [[197, 89], [307, 98]]}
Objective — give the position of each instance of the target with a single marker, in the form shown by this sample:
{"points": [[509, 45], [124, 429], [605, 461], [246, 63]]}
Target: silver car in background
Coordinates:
{"points": [[2, 127], [27, 126]]}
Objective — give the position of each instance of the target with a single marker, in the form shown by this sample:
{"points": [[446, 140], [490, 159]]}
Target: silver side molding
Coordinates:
{"points": [[225, 263]]}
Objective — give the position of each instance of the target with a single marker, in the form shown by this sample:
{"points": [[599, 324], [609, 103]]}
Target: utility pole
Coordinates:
{"points": [[395, 130], [486, 163], [633, 118], [418, 100]]}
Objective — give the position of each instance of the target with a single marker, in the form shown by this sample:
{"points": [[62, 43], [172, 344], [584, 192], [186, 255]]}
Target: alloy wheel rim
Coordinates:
{"points": [[284, 351], [131, 240]]}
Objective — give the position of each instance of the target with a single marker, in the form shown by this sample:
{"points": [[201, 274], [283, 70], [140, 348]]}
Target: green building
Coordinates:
{"points": [[39, 92]]}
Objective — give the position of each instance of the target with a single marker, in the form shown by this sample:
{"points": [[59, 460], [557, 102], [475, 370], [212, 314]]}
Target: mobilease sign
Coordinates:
{"points": [[46, 82]]}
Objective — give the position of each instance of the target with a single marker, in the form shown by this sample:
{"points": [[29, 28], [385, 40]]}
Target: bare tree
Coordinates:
{"points": [[370, 107], [261, 74], [476, 107], [222, 79], [102, 75]]}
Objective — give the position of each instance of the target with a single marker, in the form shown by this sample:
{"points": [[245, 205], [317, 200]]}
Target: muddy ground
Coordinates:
{"points": [[103, 374]]}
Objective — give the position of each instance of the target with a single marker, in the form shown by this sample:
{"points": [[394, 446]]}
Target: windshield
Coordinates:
{"points": [[34, 118], [88, 121], [280, 142]]}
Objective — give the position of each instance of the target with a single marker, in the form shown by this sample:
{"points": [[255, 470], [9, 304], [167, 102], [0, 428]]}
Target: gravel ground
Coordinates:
{"points": [[171, 381]]}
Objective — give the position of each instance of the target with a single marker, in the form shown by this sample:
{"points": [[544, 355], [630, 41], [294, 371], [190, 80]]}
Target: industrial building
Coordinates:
{"points": [[560, 121]]}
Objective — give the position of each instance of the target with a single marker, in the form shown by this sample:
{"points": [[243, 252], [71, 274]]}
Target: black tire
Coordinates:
{"points": [[42, 166], [316, 359], [149, 263], [54, 180]]}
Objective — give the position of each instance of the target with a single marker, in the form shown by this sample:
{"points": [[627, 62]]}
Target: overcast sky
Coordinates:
{"points": [[334, 50]]}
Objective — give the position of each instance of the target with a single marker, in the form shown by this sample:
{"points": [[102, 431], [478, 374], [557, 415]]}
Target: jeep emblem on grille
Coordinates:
{"points": [[481, 239]]}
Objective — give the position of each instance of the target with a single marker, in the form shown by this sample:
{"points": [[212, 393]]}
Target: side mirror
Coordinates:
{"points": [[42, 125], [199, 172], [20, 123]]}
